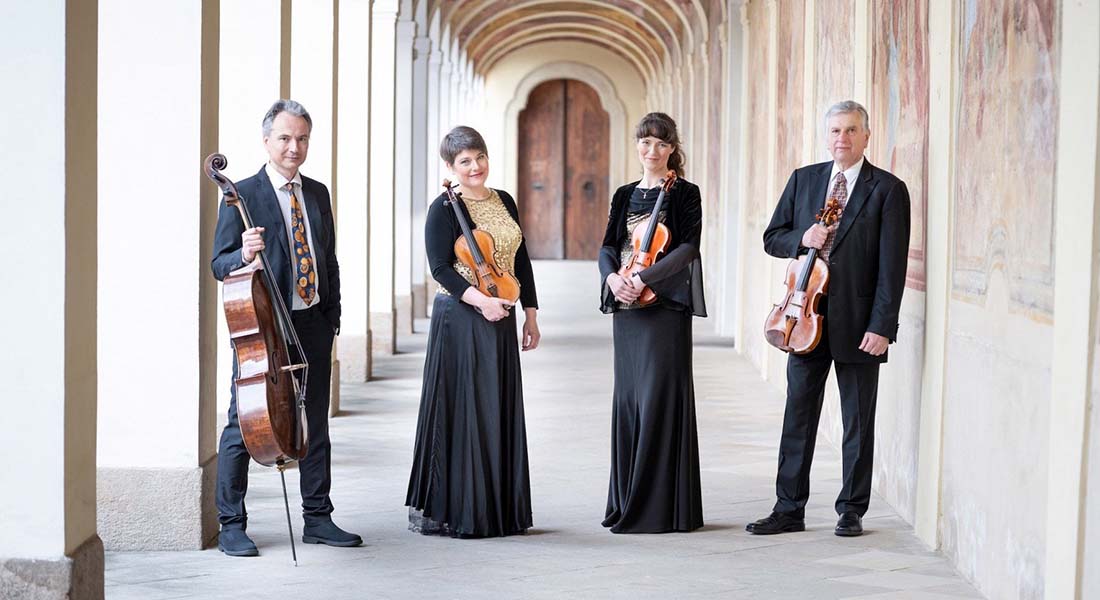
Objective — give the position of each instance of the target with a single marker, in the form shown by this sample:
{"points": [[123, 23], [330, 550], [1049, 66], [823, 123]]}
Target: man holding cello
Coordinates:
{"points": [[866, 252], [292, 218]]}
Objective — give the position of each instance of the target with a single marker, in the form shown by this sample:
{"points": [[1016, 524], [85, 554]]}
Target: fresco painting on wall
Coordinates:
{"points": [[758, 202], [716, 127], [898, 108], [759, 205], [788, 111], [835, 60], [1004, 180]]}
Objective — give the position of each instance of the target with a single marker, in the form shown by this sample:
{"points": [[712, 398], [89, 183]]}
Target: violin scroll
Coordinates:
{"points": [[830, 213], [666, 183], [213, 167]]}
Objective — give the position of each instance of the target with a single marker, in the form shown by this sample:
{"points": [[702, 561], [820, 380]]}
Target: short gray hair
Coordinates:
{"points": [[846, 107], [287, 106], [458, 139]]}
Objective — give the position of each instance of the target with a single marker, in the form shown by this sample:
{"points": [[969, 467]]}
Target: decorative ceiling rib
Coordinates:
{"points": [[650, 34]]}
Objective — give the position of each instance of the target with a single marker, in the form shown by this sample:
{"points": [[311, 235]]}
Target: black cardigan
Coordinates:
{"points": [[677, 276], [441, 230]]}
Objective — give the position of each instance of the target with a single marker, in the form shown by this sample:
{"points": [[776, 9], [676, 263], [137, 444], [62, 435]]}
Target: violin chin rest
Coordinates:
{"points": [[777, 338]]}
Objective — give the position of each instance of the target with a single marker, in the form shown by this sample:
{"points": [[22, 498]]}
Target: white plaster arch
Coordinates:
{"points": [[632, 37], [651, 15], [666, 54], [609, 100], [575, 30]]}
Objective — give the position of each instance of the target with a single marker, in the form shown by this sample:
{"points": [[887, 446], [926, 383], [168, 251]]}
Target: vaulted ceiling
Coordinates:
{"points": [[650, 34]]}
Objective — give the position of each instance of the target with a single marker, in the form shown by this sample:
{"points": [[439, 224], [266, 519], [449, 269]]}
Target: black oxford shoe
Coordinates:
{"points": [[235, 542], [776, 522], [326, 532], [850, 524]]}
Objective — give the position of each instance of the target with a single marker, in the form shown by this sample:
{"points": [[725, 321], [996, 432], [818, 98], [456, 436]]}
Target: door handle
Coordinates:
{"points": [[536, 186]]}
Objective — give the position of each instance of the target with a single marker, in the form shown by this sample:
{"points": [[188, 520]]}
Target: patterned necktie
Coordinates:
{"points": [[840, 193], [306, 277]]}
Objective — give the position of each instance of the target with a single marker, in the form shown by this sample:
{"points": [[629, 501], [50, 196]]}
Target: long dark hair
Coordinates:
{"points": [[662, 127]]}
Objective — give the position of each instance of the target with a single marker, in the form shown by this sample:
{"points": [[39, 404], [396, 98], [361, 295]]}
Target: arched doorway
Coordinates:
{"points": [[563, 192]]}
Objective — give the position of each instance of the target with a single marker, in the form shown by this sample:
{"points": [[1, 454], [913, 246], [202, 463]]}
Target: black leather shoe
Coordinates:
{"points": [[850, 524], [776, 522], [235, 542], [326, 532]]}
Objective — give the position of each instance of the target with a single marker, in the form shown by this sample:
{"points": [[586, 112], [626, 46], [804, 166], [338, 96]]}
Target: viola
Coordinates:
{"points": [[271, 366], [649, 242], [476, 249], [794, 324]]}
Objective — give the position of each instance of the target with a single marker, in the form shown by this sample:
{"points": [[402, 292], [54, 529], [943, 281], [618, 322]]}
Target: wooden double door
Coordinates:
{"points": [[563, 194]]}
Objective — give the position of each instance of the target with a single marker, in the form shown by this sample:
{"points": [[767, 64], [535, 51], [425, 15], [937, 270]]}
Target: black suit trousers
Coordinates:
{"points": [[315, 470], [858, 382]]}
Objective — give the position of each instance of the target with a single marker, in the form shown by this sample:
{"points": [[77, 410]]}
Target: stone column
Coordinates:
{"points": [[312, 82], [424, 185], [256, 73], [1069, 550], [383, 61], [352, 179], [403, 175], [49, 547], [158, 117], [433, 165]]}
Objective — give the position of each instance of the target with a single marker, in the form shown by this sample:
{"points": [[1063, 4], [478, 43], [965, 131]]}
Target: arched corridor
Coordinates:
{"points": [[987, 456], [567, 554]]}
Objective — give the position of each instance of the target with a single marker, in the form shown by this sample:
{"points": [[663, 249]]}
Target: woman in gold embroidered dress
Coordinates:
{"points": [[470, 474]]}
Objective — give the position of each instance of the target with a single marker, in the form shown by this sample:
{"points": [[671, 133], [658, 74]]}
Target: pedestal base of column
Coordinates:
{"points": [[403, 306], [76, 577], [157, 509], [383, 327], [420, 300], [353, 353]]}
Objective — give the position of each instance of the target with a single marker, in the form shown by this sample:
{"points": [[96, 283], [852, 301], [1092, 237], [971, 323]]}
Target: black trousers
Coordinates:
{"points": [[858, 382], [315, 470]]}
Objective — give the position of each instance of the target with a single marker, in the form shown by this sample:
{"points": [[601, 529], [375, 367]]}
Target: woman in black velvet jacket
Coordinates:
{"points": [[654, 485]]}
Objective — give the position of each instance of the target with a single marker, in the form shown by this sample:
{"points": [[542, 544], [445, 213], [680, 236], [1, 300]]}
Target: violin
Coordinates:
{"points": [[794, 324], [649, 242], [477, 250], [271, 365]]}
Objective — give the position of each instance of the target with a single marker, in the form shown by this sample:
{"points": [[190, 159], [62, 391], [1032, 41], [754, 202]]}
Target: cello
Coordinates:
{"points": [[477, 250], [794, 325], [271, 365], [649, 242]]}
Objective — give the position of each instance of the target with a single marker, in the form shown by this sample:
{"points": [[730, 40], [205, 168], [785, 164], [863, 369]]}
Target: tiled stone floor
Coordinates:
{"points": [[568, 554]]}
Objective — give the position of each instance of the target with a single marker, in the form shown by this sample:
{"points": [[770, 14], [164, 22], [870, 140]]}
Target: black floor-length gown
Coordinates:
{"points": [[470, 470], [654, 484]]}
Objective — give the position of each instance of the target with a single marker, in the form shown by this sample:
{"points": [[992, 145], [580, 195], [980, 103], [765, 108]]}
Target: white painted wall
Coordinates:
{"points": [[250, 76], [150, 119], [50, 366]]}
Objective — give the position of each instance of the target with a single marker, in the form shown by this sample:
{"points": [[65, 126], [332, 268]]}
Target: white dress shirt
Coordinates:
{"points": [[279, 183], [851, 174]]}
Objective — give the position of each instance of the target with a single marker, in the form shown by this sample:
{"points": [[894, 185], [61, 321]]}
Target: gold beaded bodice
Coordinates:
{"points": [[633, 219], [491, 216]]}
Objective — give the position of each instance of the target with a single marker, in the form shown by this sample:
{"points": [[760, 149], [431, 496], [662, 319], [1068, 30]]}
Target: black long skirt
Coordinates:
{"points": [[654, 440], [470, 474]]}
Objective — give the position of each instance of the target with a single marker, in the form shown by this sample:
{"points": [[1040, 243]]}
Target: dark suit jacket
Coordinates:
{"points": [[677, 276], [263, 206], [869, 255]]}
